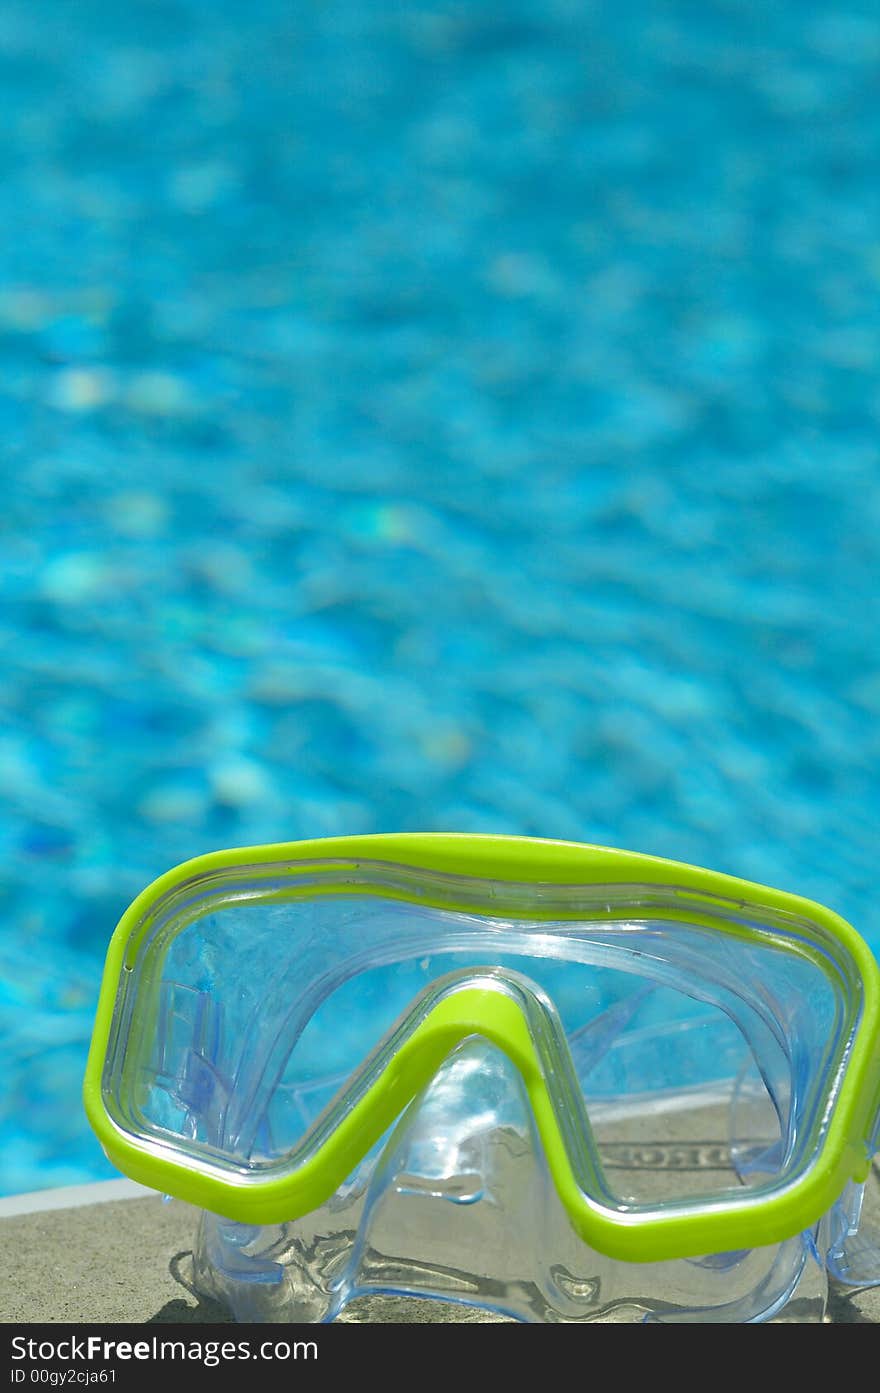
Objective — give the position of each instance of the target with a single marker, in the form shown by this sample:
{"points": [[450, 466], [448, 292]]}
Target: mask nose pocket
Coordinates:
{"points": [[443, 1147], [461, 1177]]}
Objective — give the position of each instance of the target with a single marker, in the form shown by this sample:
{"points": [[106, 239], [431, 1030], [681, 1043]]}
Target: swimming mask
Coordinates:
{"points": [[555, 1080]]}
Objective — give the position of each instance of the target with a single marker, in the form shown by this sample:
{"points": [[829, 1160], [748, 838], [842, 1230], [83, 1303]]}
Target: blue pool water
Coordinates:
{"points": [[446, 415]]}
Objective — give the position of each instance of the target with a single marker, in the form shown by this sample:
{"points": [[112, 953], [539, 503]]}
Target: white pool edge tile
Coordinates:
{"points": [[72, 1197]]}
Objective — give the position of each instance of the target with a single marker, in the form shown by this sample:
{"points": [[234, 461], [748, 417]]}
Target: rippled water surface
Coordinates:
{"points": [[446, 415]]}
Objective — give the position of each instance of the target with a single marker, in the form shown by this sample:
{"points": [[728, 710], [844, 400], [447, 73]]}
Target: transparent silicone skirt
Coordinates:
{"points": [[557, 1081]]}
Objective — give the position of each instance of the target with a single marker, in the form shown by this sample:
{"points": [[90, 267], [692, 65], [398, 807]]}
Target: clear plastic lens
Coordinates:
{"points": [[243, 1025]]}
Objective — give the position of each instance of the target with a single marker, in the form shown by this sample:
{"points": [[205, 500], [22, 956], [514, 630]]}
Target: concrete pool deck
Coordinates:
{"points": [[118, 1253]]}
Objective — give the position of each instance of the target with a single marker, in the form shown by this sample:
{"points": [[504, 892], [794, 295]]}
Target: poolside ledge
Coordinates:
{"points": [[118, 1252]]}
